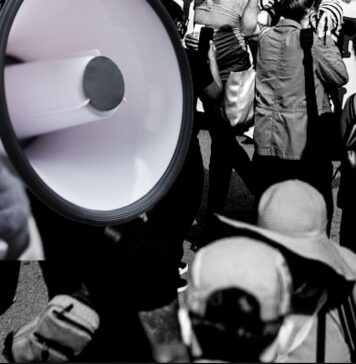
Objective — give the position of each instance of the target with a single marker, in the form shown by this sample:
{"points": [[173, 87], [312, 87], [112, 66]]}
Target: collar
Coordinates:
{"points": [[288, 23]]}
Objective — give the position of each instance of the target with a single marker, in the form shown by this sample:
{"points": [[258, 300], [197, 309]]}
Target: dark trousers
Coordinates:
{"points": [[271, 170], [175, 213], [226, 154], [347, 228], [81, 256], [138, 273], [9, 271]]}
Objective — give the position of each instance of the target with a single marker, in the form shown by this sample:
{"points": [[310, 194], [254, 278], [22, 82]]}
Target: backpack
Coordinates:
{"points": [[58, 334]]}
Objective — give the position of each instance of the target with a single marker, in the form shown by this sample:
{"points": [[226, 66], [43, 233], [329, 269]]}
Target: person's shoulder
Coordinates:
{"points": [[265, 33]]}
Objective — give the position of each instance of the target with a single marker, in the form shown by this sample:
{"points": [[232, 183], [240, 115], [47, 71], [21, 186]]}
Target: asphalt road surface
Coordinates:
{"points": [[31, 295]]}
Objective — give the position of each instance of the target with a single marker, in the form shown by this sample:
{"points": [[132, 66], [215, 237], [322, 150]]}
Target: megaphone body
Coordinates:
{"points": [[95, 104]]}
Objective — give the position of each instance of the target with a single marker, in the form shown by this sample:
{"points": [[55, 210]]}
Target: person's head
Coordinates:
{"points": [[237, 301], [292, 217], [293, 208], [296, 10], [174, 8], [296, 209]]}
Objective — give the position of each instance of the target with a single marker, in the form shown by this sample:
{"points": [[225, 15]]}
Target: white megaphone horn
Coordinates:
{"points": [[96, 104]]}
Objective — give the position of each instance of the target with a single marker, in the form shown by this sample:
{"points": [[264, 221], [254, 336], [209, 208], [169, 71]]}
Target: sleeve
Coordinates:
{"points": [[347, 118], [330, 67], [334, 8]]}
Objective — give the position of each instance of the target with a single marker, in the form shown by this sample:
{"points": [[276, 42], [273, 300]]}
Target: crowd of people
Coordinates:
{"points": [[275, 289]]}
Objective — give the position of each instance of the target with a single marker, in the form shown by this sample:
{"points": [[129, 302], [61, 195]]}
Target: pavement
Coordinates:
{"points": [[31, 294]]}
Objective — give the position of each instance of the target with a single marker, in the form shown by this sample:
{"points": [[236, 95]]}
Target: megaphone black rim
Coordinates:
{"points": [[50, 197]]}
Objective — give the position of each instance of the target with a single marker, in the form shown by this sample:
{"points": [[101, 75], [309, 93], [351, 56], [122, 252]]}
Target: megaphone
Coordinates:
{"points": [[96, 104]]}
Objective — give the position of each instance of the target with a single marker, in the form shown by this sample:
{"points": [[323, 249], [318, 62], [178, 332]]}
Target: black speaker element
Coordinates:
{"points": [[96, 104]]}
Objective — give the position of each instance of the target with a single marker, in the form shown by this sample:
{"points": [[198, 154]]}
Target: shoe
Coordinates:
{"points": [[183, 268], [182, 285]]}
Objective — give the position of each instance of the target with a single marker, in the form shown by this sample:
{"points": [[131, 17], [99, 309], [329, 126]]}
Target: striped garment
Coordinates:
{"points": [[231, 52], [334, 8]]}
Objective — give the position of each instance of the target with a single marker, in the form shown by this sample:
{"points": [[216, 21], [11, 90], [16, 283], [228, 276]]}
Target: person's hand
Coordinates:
{"points": [[214, 69], [325, 25], [14, 213], [351, 157], [212, 52], [328, 18], [192, 41]]}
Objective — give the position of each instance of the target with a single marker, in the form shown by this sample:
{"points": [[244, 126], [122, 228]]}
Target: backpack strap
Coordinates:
{"points": [[347, 314], [352, 107], [321, 336], [306, 42]]}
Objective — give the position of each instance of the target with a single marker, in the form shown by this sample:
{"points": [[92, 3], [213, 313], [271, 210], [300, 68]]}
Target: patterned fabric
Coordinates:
{"points": [[231, 52], [225, 17], [334, 8]]}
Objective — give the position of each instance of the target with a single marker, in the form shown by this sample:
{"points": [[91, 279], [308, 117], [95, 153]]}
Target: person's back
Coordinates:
{"points": [[284, 120], [281, 104]]}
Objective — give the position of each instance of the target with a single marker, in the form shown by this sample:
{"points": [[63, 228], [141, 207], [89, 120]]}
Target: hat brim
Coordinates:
{"points": [[316, 247]]}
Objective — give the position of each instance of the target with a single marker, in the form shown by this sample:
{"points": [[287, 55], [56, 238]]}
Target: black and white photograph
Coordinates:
{"points": [[177, 181]]}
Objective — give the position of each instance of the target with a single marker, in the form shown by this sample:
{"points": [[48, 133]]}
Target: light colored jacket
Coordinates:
{"points": [[304, 349], [281, 109]]}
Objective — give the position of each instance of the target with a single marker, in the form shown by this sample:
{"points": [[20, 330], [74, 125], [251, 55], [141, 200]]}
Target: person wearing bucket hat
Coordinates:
{"points": [[292, 217], [237, 303]]}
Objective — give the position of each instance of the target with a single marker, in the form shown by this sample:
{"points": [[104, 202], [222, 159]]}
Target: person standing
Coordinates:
{"points": [[282, 121], [292, 217], [232, 55]]}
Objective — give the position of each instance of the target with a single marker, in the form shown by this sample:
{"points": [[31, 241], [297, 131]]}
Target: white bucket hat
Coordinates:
{"points": [[292, 215]]}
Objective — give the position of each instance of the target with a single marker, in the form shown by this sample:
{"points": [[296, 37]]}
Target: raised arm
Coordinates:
{"points": [[249, 20], [256, 17]]}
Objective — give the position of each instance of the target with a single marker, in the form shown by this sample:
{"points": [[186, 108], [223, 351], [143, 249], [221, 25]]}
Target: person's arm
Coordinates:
{"points": [[249, 20], [214, 89], [327, 18], [330, 67], [163, 331], [346, 117], [254, 19]]}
